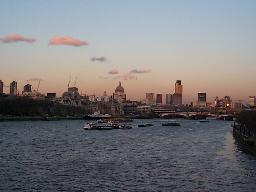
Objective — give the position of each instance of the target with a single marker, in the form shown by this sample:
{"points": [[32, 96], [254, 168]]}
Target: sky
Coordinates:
{"points": [[146, 44]]}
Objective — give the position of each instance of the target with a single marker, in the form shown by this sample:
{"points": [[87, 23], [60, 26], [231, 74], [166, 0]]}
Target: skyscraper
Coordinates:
{"points": [[13, 88], [150, 98], [178, 87], [1, 87], [201, 101], [168, 99], [27, 88], [177, 96], [159, 99]]}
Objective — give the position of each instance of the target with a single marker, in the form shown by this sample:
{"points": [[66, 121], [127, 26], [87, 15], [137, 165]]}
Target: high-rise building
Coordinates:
{"points": [[150, 98], [177, 99], [178, 87], [1, 87], [159, 99], [13, 88], [177, 96], [168, 99], [201, 102], [27, 88], [252, 101]]}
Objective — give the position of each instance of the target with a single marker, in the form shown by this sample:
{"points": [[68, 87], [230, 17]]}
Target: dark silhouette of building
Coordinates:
{"points": [[1, 87], [13, 88], [27, 88], [159, 99]]}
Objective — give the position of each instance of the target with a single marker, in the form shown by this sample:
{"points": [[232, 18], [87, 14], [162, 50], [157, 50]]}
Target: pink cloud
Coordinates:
{"points": [[137, 71], [126, 77], [66, 40], [113, 72], [12, 38]]}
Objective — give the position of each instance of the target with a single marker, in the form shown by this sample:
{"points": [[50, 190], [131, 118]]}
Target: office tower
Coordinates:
{"points": [[159, 99], [27, 88], [168, 99], [201, 101], [13, 88], [178, 87], [252, 101], [1, 87], [150, 98], [177, 96]]}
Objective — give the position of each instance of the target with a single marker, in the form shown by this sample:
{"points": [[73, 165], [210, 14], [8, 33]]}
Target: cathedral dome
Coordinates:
{"points": [[119, 88]]}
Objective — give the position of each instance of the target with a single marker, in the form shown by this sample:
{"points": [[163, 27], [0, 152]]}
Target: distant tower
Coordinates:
{"points": [[159, 99], [177, 96], [168, 99], [13, 88], [201, 102], [178, 87], [150, 98], [27, 88], [1, 87]]}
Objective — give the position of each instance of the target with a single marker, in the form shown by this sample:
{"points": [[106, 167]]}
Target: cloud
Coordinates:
{"points": [[136, 71], [66, 40], [35, 79], [126, 77], [113, 72], [99, 59], [13, 38]]}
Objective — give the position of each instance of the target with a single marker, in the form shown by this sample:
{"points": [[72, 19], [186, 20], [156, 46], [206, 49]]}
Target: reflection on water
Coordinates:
{"points": [[61, 156]]}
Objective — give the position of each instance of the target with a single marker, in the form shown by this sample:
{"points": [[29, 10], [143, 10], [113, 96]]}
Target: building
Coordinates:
{"points": [[159, 99], [27, 88], [13, 88], [51, 95], [252, 101], [177, 96], [178, 87], [168, 99], [201, 101], [119, 94], [1, 87], [177, 99], [150, 99]]}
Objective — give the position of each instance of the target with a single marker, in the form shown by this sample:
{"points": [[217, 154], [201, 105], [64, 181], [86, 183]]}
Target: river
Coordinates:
{"points": [[61, 156]]}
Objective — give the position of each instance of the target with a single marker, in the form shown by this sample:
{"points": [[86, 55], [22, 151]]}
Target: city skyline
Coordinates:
{"points": [[210, 46]]}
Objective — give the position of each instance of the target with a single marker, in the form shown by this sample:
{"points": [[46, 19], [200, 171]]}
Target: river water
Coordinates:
{"points": [[61, 156]]}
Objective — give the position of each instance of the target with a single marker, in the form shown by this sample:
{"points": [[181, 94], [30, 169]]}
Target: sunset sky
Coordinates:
{"points": [[145, 44]]}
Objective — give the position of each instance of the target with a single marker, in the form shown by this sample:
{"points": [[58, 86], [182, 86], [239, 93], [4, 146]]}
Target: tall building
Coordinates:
{"points": [[119, 94], [201, 101], [252, 101], [159, 99], [27, 88], [168, 99], [177, 99], [150, 98], [178, 87], [1, 87], [13, 88], [177, 96]]}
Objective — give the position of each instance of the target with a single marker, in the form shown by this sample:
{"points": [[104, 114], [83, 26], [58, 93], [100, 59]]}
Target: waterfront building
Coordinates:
{"points": [[150, 99], [237, 106], [252, 101], [119, 94], [13, 88], [201, 101], [1, 87], [168, 99], [177, 96], [144, 109], [177, 99], [178, 87], [159, 99], [71, 97], [27, 88]]}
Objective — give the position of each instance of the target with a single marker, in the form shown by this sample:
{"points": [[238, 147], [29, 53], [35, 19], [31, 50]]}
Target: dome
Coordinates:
{"points": [[119, 88]]}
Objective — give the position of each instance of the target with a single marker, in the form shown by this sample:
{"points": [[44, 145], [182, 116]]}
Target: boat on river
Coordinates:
{"points": [[167, 124], [102, 125], [145, 125]]}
